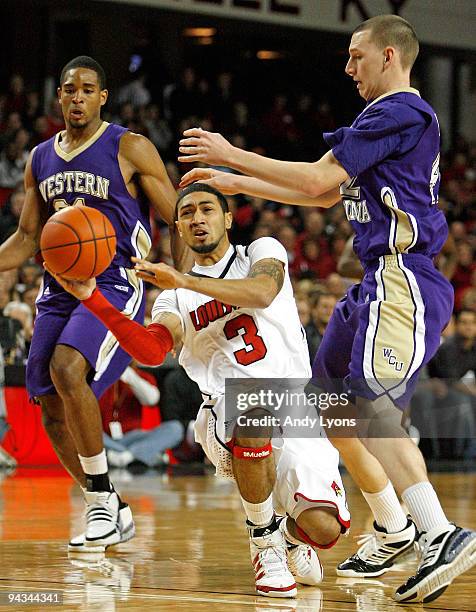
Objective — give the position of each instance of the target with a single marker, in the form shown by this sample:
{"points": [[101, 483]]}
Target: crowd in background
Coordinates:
{"points": [[289, 127]]}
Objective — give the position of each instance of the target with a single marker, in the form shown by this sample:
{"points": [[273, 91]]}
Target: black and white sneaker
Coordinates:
{"points": [[445, 554], [126, 528], [378, 552]]}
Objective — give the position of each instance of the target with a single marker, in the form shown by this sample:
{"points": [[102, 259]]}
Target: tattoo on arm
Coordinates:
{"points": [[270, 267]]}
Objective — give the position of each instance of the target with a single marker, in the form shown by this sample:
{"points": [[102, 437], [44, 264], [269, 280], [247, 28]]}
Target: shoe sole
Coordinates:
{"points": [[272, 592], [434, 585], [126, 535], [402, 556]]}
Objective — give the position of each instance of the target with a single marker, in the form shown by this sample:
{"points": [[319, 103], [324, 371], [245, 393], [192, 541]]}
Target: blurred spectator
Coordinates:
{"points": [[313, 230], [28, 296], [6, 460], [135, 92], [30, 272], [16, 97], [453, 372], [54, 118], [22, 313], [40, 130], [158, 129], [335, 285], [321, 313], [32, 109], [12, 165], [286, 235], [9, 336], [311, 263], [464, 269], [181, 399], [8, 130], [11, 214], [121, 410], [304, 310], [179, 98]]}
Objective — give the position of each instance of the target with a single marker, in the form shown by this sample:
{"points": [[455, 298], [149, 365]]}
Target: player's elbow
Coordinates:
{"points": [[266, 296], [312, 187]]}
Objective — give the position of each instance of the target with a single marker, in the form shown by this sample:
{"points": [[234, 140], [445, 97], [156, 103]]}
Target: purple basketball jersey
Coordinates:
{"points": [[90, 175], [391, 151]]}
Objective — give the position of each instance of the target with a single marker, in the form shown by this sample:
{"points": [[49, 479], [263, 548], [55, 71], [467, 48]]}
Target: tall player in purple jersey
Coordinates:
{"points": [[73, 359], [384, 168]]}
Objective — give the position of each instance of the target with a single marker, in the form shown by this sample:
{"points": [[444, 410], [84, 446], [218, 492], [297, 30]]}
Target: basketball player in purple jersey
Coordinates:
{"points": [[73, 359], [385, 169]]}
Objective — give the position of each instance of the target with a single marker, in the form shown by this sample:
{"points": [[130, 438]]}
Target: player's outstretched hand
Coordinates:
{"points": [[159, 274], [208, 147], [80, 289], [223, 181]]}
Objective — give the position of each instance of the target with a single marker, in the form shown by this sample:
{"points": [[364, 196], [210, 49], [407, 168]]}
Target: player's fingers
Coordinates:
{"points": [[195, 131], [189, 158], [147, 276], [53, 274], [192, 150], [190, 142], [196, 174]]}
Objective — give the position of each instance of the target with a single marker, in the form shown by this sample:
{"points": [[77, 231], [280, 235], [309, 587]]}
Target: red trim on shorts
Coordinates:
{"points": [[303, 535], [344, 523]]}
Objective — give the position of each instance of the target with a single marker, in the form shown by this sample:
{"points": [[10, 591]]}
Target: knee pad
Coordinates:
{"points": [[243, 452], [305, 538]]}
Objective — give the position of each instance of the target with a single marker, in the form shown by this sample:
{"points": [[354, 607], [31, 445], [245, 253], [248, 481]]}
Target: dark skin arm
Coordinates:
{"points": [[257, 290], [24, 243], [349, 264], [82, 290], [142, 167]]}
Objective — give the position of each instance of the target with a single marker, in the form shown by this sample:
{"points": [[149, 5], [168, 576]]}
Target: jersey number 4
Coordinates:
{"points": [[255, 347]]}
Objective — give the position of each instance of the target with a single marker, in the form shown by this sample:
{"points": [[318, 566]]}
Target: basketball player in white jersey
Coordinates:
{"points": [[236, 317]]}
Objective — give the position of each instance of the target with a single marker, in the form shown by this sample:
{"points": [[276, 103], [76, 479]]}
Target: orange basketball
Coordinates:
{"points": [[78, 242]]}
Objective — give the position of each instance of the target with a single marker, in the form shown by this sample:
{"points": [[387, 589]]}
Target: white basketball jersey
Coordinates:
{"points": [[224, 341]]}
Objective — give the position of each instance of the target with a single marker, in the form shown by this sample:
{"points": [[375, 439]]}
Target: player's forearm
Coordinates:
{"points": [[148, 345], [300, 177], [181, 254], [16, 250], [262, 189], [256, 292]]}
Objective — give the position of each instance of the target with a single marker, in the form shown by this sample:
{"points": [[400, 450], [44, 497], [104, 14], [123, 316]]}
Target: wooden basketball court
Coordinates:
{"points": [[190, 552]]}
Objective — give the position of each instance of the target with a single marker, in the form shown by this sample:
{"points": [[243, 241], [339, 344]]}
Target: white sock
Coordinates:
{"points": [[424, 506], [94, 465], [259, 514], [386, 509]]}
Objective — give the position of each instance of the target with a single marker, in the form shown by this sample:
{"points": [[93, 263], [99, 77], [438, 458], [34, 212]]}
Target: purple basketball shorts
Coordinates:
{"points": [[384, 331], [62, 319]]}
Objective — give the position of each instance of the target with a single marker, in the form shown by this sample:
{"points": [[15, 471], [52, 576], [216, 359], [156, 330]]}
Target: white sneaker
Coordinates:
{"points": [[126, 528], [269, 559], [303, 560], [304, 564], [102, 518]]}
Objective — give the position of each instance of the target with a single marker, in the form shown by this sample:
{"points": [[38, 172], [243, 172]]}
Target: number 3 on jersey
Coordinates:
{"points": [[255, 347]]}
